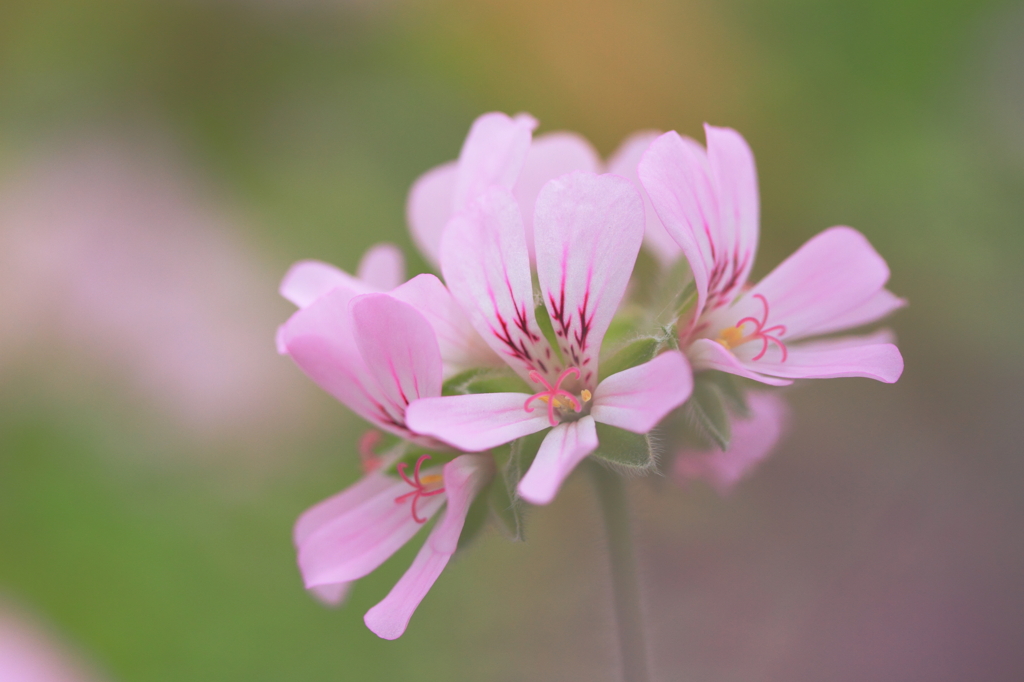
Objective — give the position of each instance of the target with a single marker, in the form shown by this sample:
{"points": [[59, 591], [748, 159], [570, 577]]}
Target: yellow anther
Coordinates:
{"points": [[731, 337], [431, 479], [585, 394]]}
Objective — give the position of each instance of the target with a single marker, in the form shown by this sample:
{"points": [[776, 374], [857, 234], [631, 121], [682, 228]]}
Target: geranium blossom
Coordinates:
{"points": [[377, 354], [708, 202], [588, 230]]}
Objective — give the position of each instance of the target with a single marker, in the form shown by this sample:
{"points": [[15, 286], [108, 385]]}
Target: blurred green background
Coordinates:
{"points": [[161, 165]]}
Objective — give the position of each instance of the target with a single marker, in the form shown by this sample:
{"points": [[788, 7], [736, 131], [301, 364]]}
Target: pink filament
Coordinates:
{"points": [[766, 335], [420, 488], [553, 392]]}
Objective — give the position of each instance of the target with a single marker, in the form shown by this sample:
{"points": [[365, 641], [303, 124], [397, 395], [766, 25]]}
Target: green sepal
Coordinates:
{"points": [[731, 390], [476, 519], [632, 354], [645, 280], [706, 410], [623, 448], [507, 509], [485, 380]]}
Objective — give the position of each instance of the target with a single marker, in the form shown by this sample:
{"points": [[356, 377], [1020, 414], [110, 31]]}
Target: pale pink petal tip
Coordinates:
{"points": [[638, 398], [308, 280], [752, 441], [382, 267], [331, 595], [563, 448]]}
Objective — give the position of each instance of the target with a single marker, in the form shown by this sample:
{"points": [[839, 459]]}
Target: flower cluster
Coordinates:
{"points": [[548, 342]]}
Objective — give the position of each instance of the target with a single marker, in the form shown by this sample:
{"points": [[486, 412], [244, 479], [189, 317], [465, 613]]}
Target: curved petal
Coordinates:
{"points": [[872, 310], [735, 177], [624, 162], [429, 208], [400, 349], [843, 357], [464, 478], [475, 422], [561, 451], [382, 267], [360, 539], [461, 347], [484, 260], [708, 354], [550, 156], [331, 595], [323, 513], [753, 439], [588, 232], [493, 154], [677, 176], [320, 339], [831, 276], [308, 280], [638, 398]]}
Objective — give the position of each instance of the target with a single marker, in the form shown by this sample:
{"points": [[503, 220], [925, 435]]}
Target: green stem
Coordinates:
{"points": [[611, 495]]}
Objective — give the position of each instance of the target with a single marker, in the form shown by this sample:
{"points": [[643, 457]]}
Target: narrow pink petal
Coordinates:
{"points": [[484, 260], [559, 453], [308, 280], [461, 347], [843, 357], [707, 354], [399, 347], [476, 422], [361, 538], [429, 208], [624, 162], [677, 176], [550, 156], [588, 232], [735, 177], [638, 398], [493, 154], [753, 439], [830, 277], [382, 267], [320, 339], [464, 478], [331, 595], [875, 308], [323, 513]]}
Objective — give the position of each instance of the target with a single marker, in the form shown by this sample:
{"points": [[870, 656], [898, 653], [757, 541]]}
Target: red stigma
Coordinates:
{"points": [[420, 487], [766, 335], [553, 392]]}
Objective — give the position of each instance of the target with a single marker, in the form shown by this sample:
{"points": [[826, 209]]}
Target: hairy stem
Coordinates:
{"points": [[611, 495]]}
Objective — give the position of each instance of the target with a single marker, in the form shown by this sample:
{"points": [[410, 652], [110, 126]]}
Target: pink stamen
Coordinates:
{"points": [[553, 392], [767, 336], [369, 459], [420, 487]]}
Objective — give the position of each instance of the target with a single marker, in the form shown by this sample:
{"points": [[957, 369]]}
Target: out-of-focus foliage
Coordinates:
{"points": [[882, 541]]}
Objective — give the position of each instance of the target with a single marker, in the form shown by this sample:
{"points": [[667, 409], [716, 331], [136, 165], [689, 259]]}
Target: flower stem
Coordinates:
{"points": [[611, 495]]}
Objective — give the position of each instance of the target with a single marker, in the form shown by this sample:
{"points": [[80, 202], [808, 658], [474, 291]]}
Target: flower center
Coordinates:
{"points": [[556, 397], [732, 337], [422, 486]]}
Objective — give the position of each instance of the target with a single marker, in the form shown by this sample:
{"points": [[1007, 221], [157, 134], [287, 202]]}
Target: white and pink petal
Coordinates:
{"points": [[476, 422], [638, 398], [562, 449]]}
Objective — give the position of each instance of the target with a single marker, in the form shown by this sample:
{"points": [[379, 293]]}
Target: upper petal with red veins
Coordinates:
{"points": [[842, 357], [624, 162], [563, 448], [399, 347], [461, 347], [476, 422], [382, 267], [464, 478], [320, 339], [550, 156], [677, 176], [735, 178], [638, 398], [429, 208], [827, 279], [484, 260], [588, 230], [308, 280]]}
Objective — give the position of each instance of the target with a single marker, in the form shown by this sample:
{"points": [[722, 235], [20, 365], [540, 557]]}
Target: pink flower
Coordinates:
{"points": [[753, 439], [377, 353], [349, 535], [588, 230], [28, 654], [708, 202]]}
